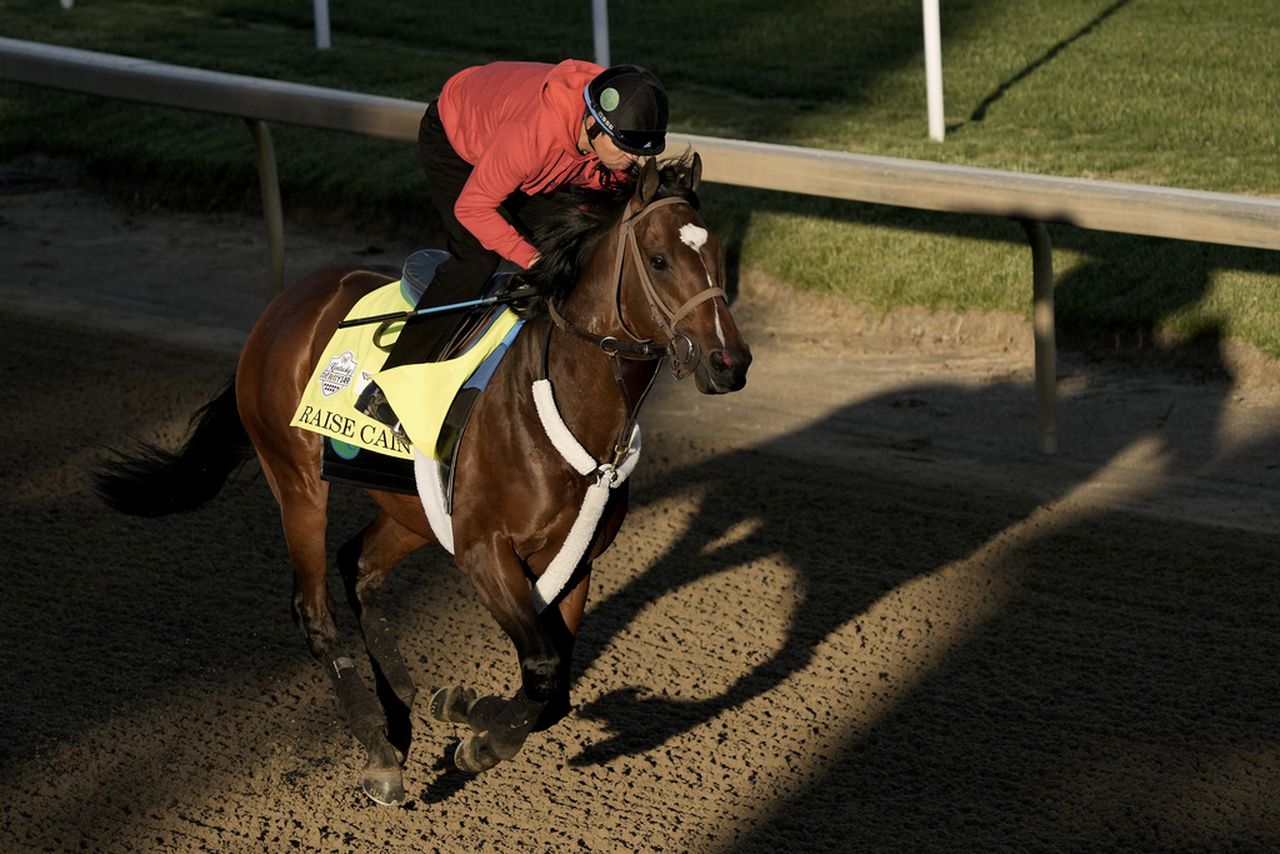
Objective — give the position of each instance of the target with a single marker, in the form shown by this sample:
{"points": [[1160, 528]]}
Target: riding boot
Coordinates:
{"points": [[373, 402]]}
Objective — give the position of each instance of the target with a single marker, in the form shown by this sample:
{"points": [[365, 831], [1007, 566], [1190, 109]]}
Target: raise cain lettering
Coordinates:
{"points": [[338, 425], [382, 438]]}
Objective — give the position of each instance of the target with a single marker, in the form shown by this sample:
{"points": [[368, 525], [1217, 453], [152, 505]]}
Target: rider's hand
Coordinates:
{"points": [[528, 306]]}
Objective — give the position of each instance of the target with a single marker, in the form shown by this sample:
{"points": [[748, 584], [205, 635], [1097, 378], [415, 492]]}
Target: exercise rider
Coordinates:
{"points": [[500, 138]]}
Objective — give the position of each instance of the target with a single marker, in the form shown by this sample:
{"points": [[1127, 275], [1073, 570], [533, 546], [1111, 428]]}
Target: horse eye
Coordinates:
{"points": [[658, 262]]}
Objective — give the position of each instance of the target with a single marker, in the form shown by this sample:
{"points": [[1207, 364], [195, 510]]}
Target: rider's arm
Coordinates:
{"points": [[500, 172]]}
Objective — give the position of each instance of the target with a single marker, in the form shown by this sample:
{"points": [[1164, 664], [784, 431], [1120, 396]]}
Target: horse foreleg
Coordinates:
{"points": [[562, 625], [507, 725], [544, 644]]}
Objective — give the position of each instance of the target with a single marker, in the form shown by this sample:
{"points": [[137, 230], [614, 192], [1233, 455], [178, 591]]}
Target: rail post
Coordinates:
{"points": [[1044, 326], [272, 211]]}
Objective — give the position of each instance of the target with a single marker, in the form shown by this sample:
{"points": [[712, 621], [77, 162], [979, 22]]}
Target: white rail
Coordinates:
{"points": [[1032, 199]]}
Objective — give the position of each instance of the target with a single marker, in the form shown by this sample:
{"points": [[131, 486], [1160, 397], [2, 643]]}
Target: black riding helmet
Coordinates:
{"points": [[629, 103]]}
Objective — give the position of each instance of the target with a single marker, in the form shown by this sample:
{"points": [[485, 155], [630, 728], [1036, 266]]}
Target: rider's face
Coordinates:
{"points": [[610, 155]]}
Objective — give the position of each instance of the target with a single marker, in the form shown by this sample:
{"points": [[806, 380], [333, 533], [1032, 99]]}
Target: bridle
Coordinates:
{"points": [[681, 349]]}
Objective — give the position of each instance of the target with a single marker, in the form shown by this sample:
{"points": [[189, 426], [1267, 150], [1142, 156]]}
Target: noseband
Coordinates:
{"points": [[681, 362], [681, 349]]}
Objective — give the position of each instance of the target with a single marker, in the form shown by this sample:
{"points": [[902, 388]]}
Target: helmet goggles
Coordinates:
{"points": [[630, 105]]}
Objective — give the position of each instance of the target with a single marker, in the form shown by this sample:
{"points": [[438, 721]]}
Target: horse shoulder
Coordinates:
{"points": [[509, 476]]}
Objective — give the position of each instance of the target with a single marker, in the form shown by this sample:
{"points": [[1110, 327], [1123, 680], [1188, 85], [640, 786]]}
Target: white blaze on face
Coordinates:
{"points": [[695, 237]]}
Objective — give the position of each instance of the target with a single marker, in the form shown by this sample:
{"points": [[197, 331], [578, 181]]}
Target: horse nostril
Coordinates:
{"points": [[726, 371]]}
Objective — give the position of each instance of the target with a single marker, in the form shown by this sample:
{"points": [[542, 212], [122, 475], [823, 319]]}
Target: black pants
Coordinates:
{"points": [[470, 265]]}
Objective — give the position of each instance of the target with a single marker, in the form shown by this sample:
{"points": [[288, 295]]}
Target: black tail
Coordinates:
{"points": [[150, 481]]}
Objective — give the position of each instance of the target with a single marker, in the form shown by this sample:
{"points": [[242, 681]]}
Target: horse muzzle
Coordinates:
{"points": [[723, 371]]}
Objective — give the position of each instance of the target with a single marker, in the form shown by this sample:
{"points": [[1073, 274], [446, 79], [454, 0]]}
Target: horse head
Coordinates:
{"points": [[670, 279]]}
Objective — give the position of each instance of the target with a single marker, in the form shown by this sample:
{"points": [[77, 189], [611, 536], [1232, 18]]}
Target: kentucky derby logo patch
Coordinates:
{"points": [[337, 375]]}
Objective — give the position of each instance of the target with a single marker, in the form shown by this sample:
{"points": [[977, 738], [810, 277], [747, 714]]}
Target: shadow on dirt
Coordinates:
{"points": [[1131, 654]]}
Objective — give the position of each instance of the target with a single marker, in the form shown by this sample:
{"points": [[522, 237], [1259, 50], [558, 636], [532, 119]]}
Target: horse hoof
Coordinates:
{"points": [[450, 705], [385, 786], [473, 755]]}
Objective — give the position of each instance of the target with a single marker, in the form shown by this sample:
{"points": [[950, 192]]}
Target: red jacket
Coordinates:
{"points": [[517, 123]]}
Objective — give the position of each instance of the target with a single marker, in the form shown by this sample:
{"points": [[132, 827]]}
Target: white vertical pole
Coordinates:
{"points": [[322, 24], [933, 69], [600, 24]]}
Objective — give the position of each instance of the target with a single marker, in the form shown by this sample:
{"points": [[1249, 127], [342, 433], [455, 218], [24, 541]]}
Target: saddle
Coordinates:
{"points": [[419, 271], [394, 473]]}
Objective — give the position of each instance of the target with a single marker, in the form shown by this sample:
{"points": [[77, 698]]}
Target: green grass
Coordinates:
{"points": [[1171, 92]]}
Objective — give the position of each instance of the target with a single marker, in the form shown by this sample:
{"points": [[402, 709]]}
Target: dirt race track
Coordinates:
{"points": [[852, 610]]}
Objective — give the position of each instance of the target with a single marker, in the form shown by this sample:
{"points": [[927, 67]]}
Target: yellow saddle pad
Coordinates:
{"points": [[419, 394]]}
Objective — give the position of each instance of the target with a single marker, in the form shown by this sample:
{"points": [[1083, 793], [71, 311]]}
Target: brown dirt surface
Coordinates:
{"points": [[852, 609]]}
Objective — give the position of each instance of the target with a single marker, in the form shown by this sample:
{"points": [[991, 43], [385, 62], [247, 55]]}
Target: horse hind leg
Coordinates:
{"points": [[303, 513], [365, 562]]}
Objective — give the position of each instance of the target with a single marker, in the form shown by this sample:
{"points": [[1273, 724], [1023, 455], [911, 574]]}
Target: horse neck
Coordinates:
{"points": [[586, 386]]}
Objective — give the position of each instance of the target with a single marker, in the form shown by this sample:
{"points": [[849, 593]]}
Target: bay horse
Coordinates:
{"points": [[630, 279]]}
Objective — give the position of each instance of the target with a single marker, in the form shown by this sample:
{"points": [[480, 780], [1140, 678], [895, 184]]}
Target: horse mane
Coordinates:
{"points": [[583, 215]]}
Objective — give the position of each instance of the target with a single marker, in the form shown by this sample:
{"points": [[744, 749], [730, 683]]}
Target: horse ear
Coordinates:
{"points": [[695, 173], [647, 184]]}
